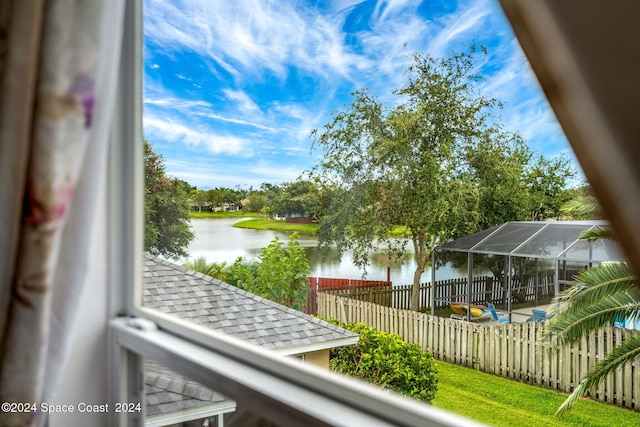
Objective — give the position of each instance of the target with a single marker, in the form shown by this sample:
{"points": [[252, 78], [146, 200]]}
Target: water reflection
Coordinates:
{"points": [[218, 241]]}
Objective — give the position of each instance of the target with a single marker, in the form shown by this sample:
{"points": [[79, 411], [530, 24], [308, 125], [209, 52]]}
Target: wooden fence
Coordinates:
{"points": [[349, 287], [484, 289], [511, 350]]}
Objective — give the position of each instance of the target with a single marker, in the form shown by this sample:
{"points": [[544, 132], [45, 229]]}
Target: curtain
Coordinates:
{"points": [[58, 71]]}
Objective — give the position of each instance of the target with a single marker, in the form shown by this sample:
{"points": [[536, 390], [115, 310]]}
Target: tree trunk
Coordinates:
{"points": [[415, 291], [419, 243]]}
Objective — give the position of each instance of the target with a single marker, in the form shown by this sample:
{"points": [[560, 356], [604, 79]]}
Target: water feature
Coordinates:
{"points": [[218, 241]]}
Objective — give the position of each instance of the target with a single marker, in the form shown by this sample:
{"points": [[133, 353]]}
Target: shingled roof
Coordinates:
{"points": [[172, 398], [207, 301]]}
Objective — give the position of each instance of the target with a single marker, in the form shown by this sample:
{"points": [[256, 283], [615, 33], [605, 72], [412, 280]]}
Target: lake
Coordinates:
{"points": [[218, 241]]}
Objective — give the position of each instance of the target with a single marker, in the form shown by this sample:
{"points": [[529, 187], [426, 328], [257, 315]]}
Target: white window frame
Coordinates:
{"points": [[283, 390]]}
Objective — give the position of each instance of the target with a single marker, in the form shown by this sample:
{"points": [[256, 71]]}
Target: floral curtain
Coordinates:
{"points": [[58, 68]]}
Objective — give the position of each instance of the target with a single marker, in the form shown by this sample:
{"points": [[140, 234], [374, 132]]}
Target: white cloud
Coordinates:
{"points": [[458, 27], [251, 36], [237, 121], [384, 8], [210, 174], [244, 102], [155, 66], [260, 42], [212, 142], [274, 173], [344, 6], [176, 103]]}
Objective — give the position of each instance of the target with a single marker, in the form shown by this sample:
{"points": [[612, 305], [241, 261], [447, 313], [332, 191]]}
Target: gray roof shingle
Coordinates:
{"points": [[167, 391], [209, 302]]}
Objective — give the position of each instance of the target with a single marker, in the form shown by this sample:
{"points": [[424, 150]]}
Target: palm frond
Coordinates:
{"points": [[601, 296], [565, 329], [594, 285], [597, 233], [581, 206], [622, 354], [214, 269]]}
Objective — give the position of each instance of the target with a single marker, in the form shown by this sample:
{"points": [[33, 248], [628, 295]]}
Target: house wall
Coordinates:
{"points": [[318, 358]]}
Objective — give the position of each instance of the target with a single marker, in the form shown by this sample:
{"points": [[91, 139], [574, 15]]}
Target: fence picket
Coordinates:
{"points": [[507, 350]]}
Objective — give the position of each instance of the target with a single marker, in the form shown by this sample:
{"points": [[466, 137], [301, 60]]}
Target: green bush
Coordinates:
{"points": [[280, 275], [386, 360]]}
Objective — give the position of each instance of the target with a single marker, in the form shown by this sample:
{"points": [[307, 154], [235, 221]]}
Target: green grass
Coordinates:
{"points": [[278, 225], [221, 214], [498, 401]]}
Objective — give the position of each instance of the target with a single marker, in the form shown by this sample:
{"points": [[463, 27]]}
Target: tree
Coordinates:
{"points": [[513, 184], [266, 211], [166, 209], [408, 165], [281, 275], [299, 198], [384, 359], [256, 202], [215, 198], [199, 197], [602, 296], [546, 181]]}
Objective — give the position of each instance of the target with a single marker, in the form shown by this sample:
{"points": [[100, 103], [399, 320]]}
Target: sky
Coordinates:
{"points": [[233, 88]]}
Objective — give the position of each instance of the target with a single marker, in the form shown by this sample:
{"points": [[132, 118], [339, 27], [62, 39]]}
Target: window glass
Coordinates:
{"points": [[173, 399], [344, 122]]}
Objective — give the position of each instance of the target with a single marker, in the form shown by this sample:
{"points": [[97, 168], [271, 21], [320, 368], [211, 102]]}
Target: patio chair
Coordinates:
{"points": [[456, 308], [457, 312], [476, 314], [499, 317], [538, 316], [479, 314], [619, 322]]}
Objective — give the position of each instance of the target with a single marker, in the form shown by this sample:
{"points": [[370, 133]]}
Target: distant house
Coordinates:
{"points": [[205, 207], [206, 301], [227, 207]]}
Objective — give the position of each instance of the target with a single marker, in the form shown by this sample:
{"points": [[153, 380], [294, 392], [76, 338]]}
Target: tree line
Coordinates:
{"points": [[299, 198]]}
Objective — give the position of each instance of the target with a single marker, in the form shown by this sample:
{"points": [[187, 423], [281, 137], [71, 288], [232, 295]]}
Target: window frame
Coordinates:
{"points": [[281, 389]]}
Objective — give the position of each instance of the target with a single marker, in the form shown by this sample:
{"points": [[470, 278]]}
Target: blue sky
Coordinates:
{"points": [[232, 88]]}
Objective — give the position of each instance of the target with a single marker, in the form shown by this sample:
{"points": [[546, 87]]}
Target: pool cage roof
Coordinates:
{"points": [[554, 240], [557, 241]]}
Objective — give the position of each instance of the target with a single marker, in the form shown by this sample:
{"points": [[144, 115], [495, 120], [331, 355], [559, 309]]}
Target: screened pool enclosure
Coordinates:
{"points": [[516, 267]]}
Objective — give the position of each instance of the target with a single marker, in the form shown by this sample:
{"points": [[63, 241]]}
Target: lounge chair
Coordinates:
{"points": [[457, 312], [456, 308], [499, 317], [460, 312], [477, 314], [538, 316]]}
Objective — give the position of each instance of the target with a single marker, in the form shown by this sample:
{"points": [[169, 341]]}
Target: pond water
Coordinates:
{"points": [[218, 241]]}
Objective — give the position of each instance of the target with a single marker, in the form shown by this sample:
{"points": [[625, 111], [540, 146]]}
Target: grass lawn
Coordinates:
{"points": [[278, 225], [498, 401], [193, 214]]}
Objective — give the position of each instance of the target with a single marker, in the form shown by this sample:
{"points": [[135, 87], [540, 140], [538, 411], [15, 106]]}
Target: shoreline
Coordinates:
{"points": [[278, 225]]}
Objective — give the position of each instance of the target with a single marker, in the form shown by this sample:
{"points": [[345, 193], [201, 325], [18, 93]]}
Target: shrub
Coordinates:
{"points": [[280, 275], [386, 360]]}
